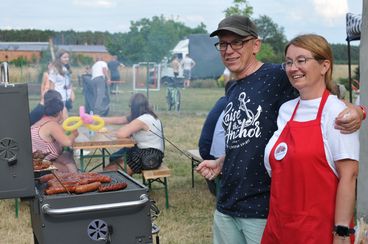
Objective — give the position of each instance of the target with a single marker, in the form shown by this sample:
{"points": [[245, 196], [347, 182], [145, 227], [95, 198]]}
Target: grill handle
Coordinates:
{"points": [[46, 209]]}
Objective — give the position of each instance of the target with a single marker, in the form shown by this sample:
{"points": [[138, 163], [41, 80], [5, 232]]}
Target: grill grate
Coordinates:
{"points": [[116, 177]]}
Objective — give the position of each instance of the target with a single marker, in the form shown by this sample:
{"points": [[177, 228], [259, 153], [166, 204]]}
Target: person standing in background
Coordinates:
{"points": [[60, 77], [100, 84], [45, 83], [86, 80], [175, 65], [113, 66], [188, 64]]}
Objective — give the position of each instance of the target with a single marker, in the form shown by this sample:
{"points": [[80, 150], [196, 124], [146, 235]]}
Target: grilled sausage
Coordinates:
{"points": [[46, 178], [113, 187], [59, 189], [87, 188]]}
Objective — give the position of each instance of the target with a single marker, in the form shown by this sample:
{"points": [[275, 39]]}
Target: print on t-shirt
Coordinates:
{"points": [[241, 127]]}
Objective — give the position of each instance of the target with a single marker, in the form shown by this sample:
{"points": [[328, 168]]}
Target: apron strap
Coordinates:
{"points": [[325, 95], [296, 108]]}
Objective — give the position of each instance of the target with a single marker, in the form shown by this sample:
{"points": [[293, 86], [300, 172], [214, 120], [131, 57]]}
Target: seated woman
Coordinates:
{"points": [[49, 137], [146, 129]]}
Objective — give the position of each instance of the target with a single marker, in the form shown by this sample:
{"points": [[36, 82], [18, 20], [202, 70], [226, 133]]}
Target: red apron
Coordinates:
{"points": [[303, 186]]}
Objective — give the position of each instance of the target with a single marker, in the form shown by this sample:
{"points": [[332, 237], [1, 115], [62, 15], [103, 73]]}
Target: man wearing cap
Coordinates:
{"points": [[249, 122]]}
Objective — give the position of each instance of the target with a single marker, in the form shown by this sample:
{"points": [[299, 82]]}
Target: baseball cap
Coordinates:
{"points": [[240, 25]]}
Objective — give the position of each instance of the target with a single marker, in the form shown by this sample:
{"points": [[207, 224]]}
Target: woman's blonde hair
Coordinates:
{"points": [[320, 49]]}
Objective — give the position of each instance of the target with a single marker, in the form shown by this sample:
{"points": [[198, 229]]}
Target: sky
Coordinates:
{"points": [[324, 17]]}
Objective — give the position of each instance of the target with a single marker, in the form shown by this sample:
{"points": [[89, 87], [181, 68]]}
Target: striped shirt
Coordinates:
{"points": [[53, 148]]}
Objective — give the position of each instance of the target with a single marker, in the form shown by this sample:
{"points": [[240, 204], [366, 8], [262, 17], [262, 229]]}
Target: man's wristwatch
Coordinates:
{"points": [[343, 231]]}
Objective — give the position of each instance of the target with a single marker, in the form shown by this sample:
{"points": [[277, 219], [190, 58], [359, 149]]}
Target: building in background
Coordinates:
{"points": [[32, 50]]}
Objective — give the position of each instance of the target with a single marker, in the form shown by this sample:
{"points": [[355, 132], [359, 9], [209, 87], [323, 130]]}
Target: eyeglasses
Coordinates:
{"points": [[235, 44], [299, 62]]}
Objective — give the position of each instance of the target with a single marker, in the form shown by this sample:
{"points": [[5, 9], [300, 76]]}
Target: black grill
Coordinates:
{"points": [[96, 217], [91, 218]]}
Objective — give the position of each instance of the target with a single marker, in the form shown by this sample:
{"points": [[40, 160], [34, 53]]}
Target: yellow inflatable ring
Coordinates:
{"points": [[99, 125], [72, 123]]}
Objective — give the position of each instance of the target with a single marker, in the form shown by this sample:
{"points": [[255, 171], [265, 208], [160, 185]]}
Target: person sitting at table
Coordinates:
{"points": [[147, 131], [39, 111], [48, 136]]}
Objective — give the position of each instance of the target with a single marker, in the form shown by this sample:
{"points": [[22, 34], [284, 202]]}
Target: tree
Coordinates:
{"points": [[241, 7], [267, 53], [272, 34], [150, 40]]}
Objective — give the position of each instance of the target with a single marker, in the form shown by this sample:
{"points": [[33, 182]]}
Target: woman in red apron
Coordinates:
{"points": [[313, 166]]}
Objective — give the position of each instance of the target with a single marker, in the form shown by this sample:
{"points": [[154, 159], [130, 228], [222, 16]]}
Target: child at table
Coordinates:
{"points": [[146, 129]]}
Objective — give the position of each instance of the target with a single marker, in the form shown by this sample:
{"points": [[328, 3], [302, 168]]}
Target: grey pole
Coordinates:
{"points": [[362, 204]]}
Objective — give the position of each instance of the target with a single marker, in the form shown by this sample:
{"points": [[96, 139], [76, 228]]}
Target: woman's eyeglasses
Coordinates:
{"points": [[299, 62]]}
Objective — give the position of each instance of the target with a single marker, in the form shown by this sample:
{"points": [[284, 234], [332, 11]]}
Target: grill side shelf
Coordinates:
{"points": [[46, 208]]}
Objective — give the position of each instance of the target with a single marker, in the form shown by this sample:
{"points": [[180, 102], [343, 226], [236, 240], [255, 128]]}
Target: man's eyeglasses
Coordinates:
{"points": [[299, 62], [235, 44]]}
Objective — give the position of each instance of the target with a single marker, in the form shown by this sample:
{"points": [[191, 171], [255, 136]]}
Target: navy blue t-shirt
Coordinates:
{"points": [[249, 122]]}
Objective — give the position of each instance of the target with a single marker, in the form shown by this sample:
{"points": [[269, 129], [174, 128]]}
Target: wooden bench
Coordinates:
{"points": [[158, 175], [194, 153]]}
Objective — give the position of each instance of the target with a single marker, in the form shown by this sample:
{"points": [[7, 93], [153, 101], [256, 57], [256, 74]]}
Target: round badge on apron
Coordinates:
{"points": [[281, 151]]}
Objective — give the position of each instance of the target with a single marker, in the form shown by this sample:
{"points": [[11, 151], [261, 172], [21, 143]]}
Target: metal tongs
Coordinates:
{"points": [[196, 161], [61, 183]]}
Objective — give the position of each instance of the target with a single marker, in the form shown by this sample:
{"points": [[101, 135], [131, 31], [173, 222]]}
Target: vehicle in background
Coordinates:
{"points": [[201, 49]]}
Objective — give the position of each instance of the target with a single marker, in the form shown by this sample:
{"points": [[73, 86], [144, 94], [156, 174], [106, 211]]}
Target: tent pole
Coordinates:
{"points": [[349, 67]]}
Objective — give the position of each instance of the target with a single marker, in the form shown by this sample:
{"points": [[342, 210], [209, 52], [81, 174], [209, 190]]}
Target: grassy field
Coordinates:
{"points": [[189, 218]]}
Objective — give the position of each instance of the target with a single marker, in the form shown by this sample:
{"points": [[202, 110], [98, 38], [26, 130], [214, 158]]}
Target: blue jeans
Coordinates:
{"points": [[232, 230]]}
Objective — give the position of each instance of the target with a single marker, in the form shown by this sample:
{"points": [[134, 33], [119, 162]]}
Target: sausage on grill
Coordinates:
{"points": [[87, 188], [59, 189], [113, 187]]}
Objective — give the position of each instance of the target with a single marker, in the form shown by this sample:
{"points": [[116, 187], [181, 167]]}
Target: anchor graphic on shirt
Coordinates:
{"points": [[243, 106]]}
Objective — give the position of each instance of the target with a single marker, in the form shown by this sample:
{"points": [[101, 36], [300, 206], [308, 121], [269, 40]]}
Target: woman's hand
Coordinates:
{"points": [[75, 133]]}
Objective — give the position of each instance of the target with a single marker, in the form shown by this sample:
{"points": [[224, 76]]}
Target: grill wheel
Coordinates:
{"points": [[98, 230]]}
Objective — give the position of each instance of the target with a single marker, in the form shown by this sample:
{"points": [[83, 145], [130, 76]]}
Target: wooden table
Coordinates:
{"points": [[98, 142]]}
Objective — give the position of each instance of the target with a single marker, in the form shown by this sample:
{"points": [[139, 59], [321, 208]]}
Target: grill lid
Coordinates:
{"points": [[16, 168]]}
